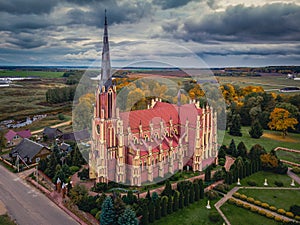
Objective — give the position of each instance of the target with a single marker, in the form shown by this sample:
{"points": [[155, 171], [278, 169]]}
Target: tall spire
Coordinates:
{"points": [[105, 64]]}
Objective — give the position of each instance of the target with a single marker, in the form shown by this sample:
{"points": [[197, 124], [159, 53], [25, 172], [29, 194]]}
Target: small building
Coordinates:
{"points": [[15, 137], [52, 133], [82, 135], [64, 147], [30, 151]]}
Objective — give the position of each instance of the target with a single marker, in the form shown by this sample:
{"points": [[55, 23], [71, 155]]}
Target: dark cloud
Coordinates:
{"points": [[168, 4], [271, 22], [26, 41], [74, 39], [27, 6]]}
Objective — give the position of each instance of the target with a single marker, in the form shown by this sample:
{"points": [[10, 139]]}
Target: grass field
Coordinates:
{"points": [[239, 216], [289, 156], [278, 198], [270, 139], [5, 220], [23, 73], [260, 177], [195, 214]]}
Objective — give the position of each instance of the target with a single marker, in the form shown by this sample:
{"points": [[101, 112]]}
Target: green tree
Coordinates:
{"points": [[148, 196], [119, 207], [168, 189], [192, 194], [196, 191], [2, 140], [164, 202], [222, 152], [186, 197], [176, 201], [255, 152], [201, 187], [232, 148], [154, 196], [77, 159], [207, 176], [235, 128], [170, 205], [108, 216], [151, 212], [181, 200], [241, 150], [145, 215], [157, 209], [256, 130], [128, 218], [78, 194]]}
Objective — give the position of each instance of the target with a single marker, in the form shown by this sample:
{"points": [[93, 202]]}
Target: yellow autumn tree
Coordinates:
{"points": [[281, 120], [196, 92]]}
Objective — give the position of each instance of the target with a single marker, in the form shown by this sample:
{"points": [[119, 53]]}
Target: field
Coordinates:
{"points": [[194, 214], [278, 198], [23, 73], [237, 216], [260, 177], [28, 98], [5, 220], [269, 140], [289, 156]]}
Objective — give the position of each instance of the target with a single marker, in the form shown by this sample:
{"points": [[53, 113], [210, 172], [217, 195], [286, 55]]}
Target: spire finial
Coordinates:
{"points": [[105, 18]]}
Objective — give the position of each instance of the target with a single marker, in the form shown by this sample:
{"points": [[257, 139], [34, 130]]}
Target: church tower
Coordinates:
{"points": [[106, 158]]}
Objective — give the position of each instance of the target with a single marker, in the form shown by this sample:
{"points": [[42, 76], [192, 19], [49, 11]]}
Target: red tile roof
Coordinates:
{"points": [[23, 134], [10, 135]]}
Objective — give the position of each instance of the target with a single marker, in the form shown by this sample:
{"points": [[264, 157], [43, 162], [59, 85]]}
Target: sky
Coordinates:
{"points": [[181, 33]]}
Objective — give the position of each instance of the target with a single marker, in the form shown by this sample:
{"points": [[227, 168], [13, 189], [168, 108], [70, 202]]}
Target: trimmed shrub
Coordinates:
{"points": [[265, 205], [278, 183], [238, 203], [231, 201], [257, 203], [296, 170], [246, 206], [251, 183], [262, 212], [94, 211], [250, 200], [281, 211], [277, 218], [243, 197], [211, 195], [270, 215], [289, 214], [222, 161], [237, 195], [297, 217], [253, 209], [74, 169], [273, 208], [214, 217]]}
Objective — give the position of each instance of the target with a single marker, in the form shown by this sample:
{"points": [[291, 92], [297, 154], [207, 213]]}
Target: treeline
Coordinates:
{"points": [[60, 95]]}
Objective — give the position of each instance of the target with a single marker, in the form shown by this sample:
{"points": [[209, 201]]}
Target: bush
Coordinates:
{"points": [[94, 211], [250, 200], [251, 183], [243, 197], [265, 205], [295, 209], [297, 217], [222, 161], [296, 170], [253, 209], [277, 218], [281, 211], [222, 188], [246, 206], [273, 208], [61, 116], [262, 212], [237, 195], [289, 214], [211, 195], [231, 201], [214, 217], [278, 183], [270, 215], [239, 203], [98, 215]]}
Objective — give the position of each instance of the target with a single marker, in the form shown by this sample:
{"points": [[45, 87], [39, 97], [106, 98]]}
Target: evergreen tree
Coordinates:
{"points": [[77, 159], [235, 128], [170, 205], [128, 218], [192, 194], [186, 197], [145, 216], [119, 207], [107, 216], [232, 148], [197, 191], [181, 200], [148, 196], [164, 202], [168, 189], [222, 152], [201, 187], [256, 130], [157, 209], [54, 160], [241, 150], [255, 152], [151, 212], [154, 196], [176, 201], [207, 177]]}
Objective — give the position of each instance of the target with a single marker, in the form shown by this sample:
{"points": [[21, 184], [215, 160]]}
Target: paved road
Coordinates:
{"points": [[26, 205]]}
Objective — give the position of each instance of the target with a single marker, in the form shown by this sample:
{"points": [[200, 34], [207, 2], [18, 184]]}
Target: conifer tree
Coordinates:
{"points": [[232, 148], [145, 216], [107, 216], [235, 127], [170, 205], [128, 218], [168, 189], [176, 201], [186, 197], [151, 212], [164, 202], [241, 150], [256, 130], [157, 209], [197, 191], [181, 200], [201, 187], [192, 194], [207, 176]]}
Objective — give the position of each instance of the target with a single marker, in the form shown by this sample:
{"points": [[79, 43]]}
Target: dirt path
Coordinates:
{"points": [[54, 126]]}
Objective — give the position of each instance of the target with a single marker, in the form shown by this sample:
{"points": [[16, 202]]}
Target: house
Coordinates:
{"points": [[52, 133], [15, 137], [30, 151], [82, 135], [65, 147]]}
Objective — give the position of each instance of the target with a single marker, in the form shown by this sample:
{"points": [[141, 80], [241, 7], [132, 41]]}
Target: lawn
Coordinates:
{"points": [[289, 156], [5, 220], [270, 139], [238, 216], [278, 198], [259, 178], [24, 73], [195, 214]]}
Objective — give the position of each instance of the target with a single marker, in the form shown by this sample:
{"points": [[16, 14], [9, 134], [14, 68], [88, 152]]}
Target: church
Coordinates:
{"points": [[143, 146]]}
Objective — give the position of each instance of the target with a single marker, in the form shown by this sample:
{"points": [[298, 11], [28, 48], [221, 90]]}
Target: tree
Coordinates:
{"points": [[145, 215], [148, 196], [207, 177], [281, 120], [107, 216], [2, 140], [151, 212], [256, 130], [157, 209], [192, 194], [77, 159], [78, 193], [197, 191], [119, 207], [164, 203], [155, 196], [170, 205], [222, 152], [241, 150], [255, 152], [201, 187], [181, 200], [176, 201], [128, 218], [235, 128], [232, 148], [168, 189]]}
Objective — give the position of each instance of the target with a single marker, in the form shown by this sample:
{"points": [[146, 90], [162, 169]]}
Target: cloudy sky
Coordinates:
{"points": [[184, 33]]}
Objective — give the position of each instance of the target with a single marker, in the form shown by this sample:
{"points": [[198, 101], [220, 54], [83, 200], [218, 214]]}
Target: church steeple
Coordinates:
{"points": [[105, 64]]}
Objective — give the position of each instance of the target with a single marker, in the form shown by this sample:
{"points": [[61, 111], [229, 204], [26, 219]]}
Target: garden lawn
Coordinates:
{"points": [[24, 73], [239, 216], [5, 220], [278, 198], [270, 139], [194, 214], [260, 177], [289, 156]]}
